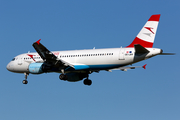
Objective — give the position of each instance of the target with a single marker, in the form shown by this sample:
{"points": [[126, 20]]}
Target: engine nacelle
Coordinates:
{"points": [[73, 77], [38, 68]]}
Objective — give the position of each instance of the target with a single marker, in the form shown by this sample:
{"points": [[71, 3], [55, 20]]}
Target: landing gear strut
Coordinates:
{"points": [[25, 81]]}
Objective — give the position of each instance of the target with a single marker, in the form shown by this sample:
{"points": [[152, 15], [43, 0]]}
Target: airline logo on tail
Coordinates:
{"points": [[150, 29], [147, 34]]}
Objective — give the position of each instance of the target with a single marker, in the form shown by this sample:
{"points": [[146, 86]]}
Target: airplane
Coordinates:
{"points": [[75, 65]]}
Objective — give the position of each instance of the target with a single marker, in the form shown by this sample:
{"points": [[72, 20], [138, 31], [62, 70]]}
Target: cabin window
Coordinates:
{"points": [[13, 59]]}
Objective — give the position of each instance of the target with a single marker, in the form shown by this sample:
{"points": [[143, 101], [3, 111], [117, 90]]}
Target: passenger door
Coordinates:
{"points": [[121, 54]]}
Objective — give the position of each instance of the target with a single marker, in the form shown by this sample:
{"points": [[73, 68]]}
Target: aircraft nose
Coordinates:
{"points": [[9, 66]]}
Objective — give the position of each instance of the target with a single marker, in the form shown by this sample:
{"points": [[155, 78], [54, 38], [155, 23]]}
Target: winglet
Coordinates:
{"points": [[38, 41], [144, 66]]}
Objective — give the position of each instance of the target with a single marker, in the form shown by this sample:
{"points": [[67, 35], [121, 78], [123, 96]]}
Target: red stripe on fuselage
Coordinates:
{"points": [[31, 56], [154, 18], [141, 42]]}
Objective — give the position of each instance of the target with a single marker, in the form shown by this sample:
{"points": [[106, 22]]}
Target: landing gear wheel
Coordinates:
{"points": [[25, 82], [87, 82], [63, 77]]}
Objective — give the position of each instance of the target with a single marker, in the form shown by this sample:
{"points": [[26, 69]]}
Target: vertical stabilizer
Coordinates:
{"points": [[147, 34]]}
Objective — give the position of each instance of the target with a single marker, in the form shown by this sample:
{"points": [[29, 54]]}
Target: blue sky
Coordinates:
{"points": [[151, 94]]}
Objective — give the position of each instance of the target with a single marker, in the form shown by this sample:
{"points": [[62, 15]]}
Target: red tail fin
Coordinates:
{"points": [[147, 34]]}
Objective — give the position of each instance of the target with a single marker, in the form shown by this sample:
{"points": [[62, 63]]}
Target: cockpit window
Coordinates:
{"points": [[13, 59]]}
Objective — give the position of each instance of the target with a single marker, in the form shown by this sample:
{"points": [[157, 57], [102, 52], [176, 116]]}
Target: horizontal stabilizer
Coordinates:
{"points": [[140, 49]]}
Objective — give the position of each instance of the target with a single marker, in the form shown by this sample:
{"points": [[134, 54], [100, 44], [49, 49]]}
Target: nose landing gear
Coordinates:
{"points": [[25, 81]]}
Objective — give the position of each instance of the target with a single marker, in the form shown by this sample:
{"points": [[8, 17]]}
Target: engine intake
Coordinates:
{"points": [[38, 68]]}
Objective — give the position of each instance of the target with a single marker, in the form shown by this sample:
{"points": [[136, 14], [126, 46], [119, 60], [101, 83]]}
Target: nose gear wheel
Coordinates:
{"points": [[25, 81]]}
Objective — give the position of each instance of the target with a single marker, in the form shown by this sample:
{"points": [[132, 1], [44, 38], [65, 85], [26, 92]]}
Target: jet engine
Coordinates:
{"points": [[38, 68]]}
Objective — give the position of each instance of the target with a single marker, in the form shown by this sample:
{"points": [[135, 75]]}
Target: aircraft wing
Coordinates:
{"points": [[130, 67], [48, 56]]}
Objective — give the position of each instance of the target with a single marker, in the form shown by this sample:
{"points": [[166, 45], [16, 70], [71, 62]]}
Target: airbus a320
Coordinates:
{"points": [[76, 65]]}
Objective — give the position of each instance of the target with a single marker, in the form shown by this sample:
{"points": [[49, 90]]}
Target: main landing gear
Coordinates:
{"points": [[63, 77], [25, 81], [87, 82], [76, 77]]}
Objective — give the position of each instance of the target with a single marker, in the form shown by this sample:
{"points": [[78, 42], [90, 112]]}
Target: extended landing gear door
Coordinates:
{"points": [[121, 54]]}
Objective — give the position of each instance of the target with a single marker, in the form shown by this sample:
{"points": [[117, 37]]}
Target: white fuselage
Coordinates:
{"points": [[92, 59]]}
